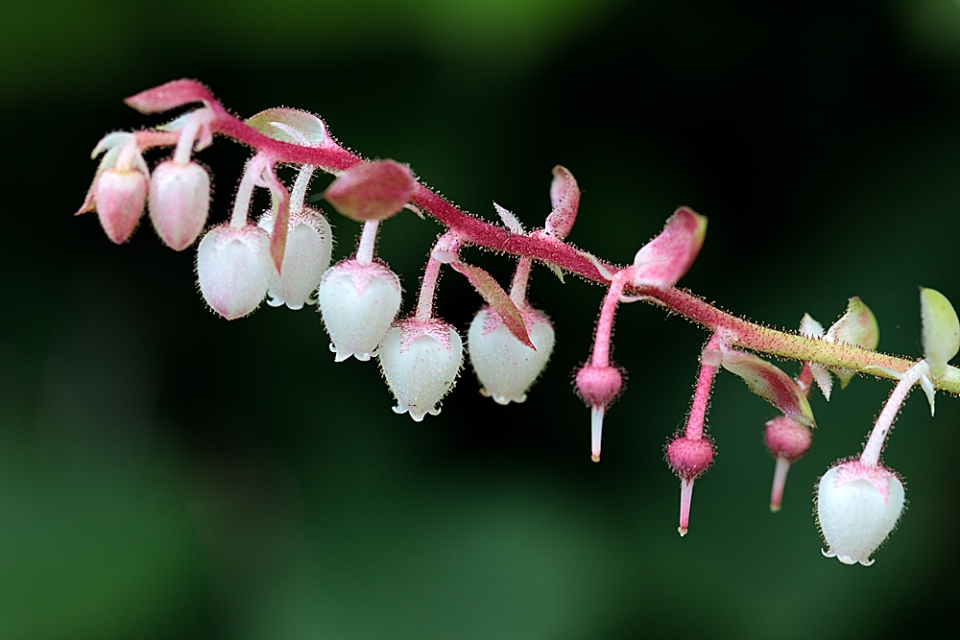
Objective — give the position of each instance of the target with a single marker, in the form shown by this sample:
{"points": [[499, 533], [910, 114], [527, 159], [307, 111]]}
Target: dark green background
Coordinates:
{"points": [[167, 474]]}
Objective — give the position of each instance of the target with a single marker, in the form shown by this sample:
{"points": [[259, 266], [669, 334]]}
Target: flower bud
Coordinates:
{"points": [[598, 386], [421, 361], [372, 190], [358, 303], [119, 197], [306, 258], [857, 508], [179, 201], [505, 367], [233, 268]]}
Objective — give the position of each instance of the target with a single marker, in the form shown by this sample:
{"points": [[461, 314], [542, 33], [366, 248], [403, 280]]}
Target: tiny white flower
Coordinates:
{"points": [[505, 367], [306, 258], [421, 361], [233, 268], [857, 508], [358, 303]]}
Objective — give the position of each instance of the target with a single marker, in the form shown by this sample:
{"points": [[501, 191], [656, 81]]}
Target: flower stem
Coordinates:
{"points": [[368, 241], [601, 341], [871, 452], [701, 397]]}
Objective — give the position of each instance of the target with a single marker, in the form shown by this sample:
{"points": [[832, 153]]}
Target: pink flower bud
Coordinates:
{"points": [[119, 197], [179, 201], [358, 303], [234, 267], [505, 367], [598, 386], [787, 441], [306, 258], [372, 190], [857, 508], [421, 361]]}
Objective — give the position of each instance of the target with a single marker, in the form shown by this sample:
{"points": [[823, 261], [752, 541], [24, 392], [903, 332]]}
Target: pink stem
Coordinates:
{"points": [[518, 289], [805, 379], [871, 452], [368, 241], [601, 341], [779, 482], [701, 397]]}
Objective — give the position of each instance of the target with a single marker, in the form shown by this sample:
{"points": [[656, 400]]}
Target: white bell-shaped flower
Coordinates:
{"points": [[358, 303], [234, 268], [857, 508], [179, 201], [505, 367], [421, 361], [306, 258]]}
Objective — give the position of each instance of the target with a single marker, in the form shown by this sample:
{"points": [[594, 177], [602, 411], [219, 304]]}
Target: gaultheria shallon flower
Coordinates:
{"points": [[598, 386], [358, 303], [420, 360], [787, 441], [179, 202], [306, 258], [234, 268], [119, 197], [505, 367], [858, 506]]}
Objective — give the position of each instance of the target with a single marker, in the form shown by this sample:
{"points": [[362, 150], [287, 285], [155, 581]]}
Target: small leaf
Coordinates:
{"points": [[372, 190], [857, 326], [810, 327], [941, 330], [771, 384], [170, 96], [565, 198], [281, 210], [290, 125], [498, 299], [509, 219], [930, 392], [664, 260]]}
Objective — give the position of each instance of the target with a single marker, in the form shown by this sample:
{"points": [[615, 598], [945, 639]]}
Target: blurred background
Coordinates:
{"points": [[167, 474]]}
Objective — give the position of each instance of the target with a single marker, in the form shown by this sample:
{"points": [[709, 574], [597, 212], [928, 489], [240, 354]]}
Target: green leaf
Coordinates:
{"points": [[941, 330], [498, 300], [858, 327], [290, 125], [771, 384]]}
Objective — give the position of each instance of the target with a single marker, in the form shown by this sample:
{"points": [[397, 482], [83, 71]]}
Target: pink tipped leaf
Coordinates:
{"points": [[770, 383], [281, 208], [565, 198], [666, 258], [290, 125], [858, 327], [372, 190], [170, 96], [498, 300]]}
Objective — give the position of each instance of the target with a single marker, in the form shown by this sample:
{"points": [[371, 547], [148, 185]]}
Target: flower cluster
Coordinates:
{"points": [[283, 256]]}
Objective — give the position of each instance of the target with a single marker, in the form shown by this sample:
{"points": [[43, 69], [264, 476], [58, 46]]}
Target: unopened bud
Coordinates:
{"points": [[119, 197], [372, 190], [179, 202]]}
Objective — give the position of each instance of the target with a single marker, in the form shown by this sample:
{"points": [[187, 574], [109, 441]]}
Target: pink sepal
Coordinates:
{"points": [[666, 258], [497, 298], [281, 206], [372, 190], [565, 197], [771, 384], [170, 96]]}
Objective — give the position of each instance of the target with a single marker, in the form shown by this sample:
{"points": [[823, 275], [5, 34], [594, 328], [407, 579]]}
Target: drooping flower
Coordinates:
{"points": [[858, 506], [358, 303], [420, 360], [505, 367], [787, 441], [119, 188], [234, 268], [598, 386], [306, 258]]}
